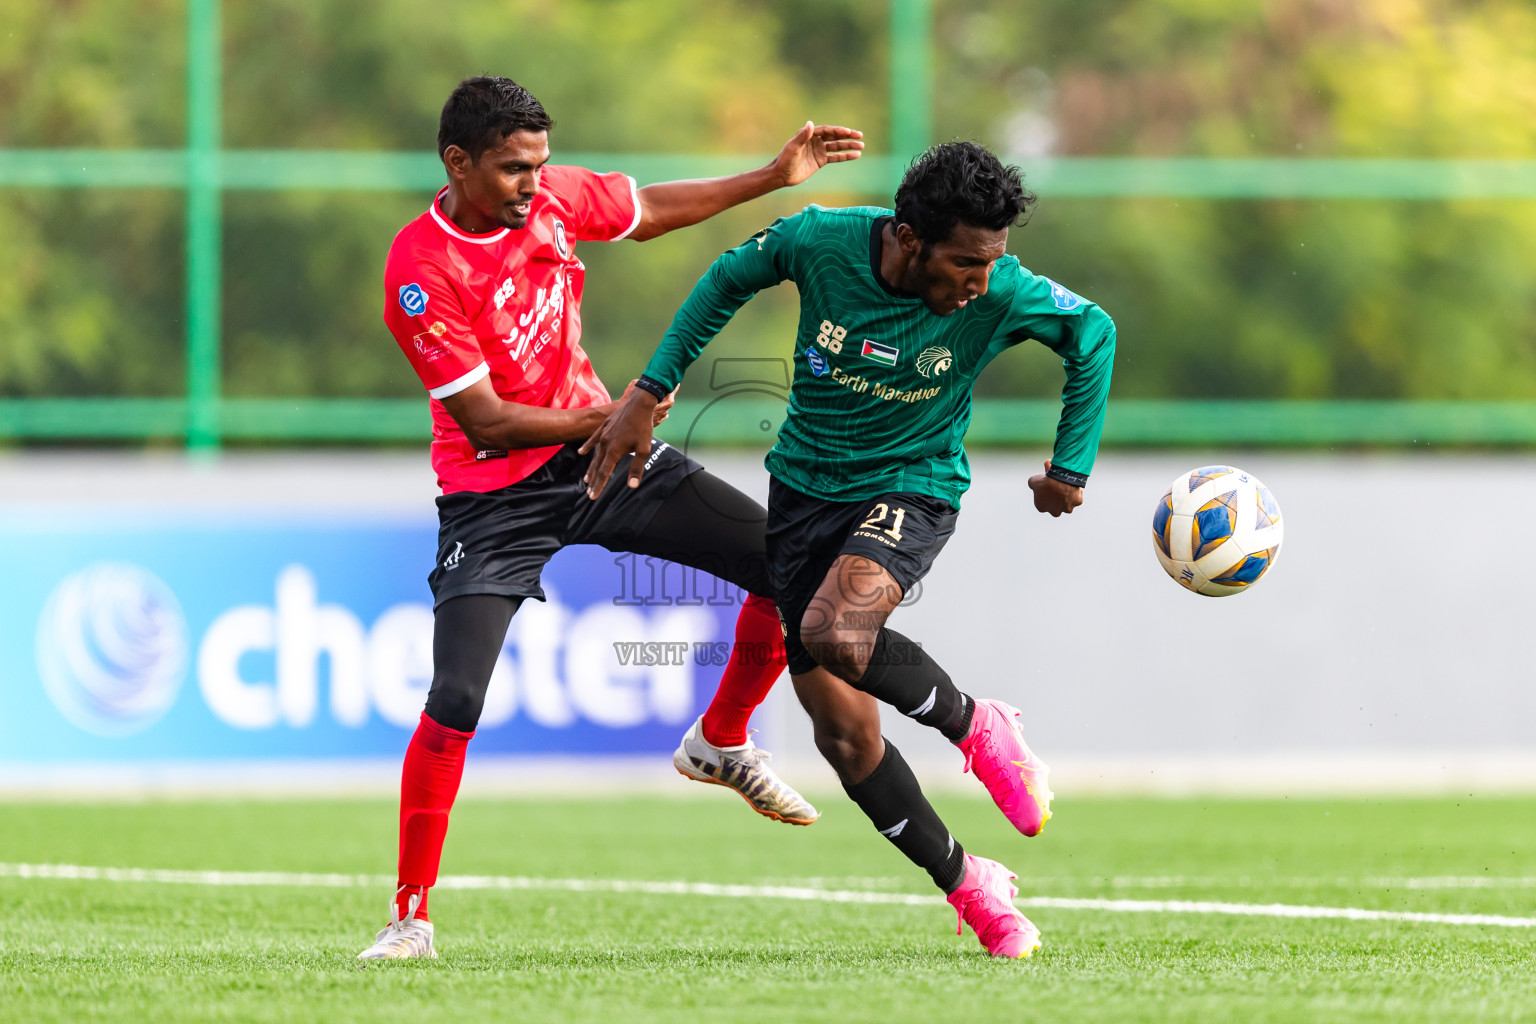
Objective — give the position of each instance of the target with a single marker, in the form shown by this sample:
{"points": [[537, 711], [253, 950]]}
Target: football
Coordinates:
{"points": [[1217, 530]]}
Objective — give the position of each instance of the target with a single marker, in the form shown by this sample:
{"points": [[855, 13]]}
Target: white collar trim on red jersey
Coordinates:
{"points": [[463, 236]]}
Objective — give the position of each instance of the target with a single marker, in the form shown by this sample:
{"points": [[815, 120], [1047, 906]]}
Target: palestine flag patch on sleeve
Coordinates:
{"points": [[887, 354]]}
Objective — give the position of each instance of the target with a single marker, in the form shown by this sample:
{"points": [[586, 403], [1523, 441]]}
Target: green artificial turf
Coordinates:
{"points": [[94, 950]]}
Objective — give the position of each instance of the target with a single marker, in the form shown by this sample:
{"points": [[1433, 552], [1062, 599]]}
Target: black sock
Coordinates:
{"points": [[893, 800], [901, 674]]}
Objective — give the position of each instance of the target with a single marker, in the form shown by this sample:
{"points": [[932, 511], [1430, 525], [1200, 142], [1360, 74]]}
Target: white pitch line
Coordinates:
{"points": [[1333, 882], [765, 892], [76, 872], [1274, 910], [1454, 882]]}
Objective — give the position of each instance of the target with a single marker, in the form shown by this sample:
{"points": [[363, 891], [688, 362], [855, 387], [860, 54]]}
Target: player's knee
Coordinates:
{"points": [[840, 647], [455, 703], [853, 749]]}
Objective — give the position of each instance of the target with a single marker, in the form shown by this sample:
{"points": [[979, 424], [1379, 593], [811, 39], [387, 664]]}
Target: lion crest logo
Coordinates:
{"points": [[933, 361]]}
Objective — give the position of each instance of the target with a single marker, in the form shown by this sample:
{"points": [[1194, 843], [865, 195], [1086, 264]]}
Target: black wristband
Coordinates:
{"points": [[1067, 477], [651, 387]]}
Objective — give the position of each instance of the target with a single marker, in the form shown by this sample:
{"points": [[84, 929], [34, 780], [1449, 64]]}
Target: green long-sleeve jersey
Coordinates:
{"points": [[881, 392]]}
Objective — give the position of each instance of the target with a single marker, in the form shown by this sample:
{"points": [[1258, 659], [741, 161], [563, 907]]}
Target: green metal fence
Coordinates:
{"points": [[204, 171]]}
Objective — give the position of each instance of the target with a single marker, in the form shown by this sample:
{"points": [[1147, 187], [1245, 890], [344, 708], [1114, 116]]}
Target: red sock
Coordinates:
{"points": [[757, 659], [434, 763]]}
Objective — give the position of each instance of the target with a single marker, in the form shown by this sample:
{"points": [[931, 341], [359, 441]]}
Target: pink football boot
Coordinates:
{"points": [[985, 902], [1016, 778]]}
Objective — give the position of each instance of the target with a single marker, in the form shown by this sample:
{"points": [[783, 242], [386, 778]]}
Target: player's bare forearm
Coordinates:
{"points": [[526, 426], [626, 430], [492, 423], [676, 204]]}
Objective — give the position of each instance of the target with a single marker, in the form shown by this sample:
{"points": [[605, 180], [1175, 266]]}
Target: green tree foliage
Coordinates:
{"points": [[1214, 298], [1289, 299], [90, 282]]}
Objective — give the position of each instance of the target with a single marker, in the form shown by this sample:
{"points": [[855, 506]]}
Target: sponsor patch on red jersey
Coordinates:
{"points": [[503, 305], [429, 343]]}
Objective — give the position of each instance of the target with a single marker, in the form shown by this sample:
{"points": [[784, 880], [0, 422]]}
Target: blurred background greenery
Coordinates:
{"points": [[1215, 297]]}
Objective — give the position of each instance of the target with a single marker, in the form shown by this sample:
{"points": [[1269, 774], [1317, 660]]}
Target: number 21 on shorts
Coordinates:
{"points": [[876, 520]]}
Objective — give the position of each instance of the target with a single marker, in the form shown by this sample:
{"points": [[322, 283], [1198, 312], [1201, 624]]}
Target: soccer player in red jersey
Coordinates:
{"points": [[483, 294]]}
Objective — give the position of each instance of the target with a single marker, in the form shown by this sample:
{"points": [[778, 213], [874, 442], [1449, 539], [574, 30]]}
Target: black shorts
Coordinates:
{"points": [[901, 532], [498, 542]]}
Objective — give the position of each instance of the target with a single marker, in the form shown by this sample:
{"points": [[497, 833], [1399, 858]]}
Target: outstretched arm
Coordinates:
{"points": [[762, 261], [676, 204]]}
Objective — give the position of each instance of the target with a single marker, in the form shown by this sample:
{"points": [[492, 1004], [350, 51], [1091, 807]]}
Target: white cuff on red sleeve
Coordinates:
{"points": [[453, 387], [634, 194]]}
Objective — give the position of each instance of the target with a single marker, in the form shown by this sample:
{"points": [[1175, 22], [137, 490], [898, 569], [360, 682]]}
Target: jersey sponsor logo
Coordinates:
{"points": [[887, 393], [934, 360], [818, 362], [413, 299], [887, 355], [1064, 299], [864, 386], [831, 337], [561, 245], [486, 454], [519, 343], [530, 335], [505, 292], [430, 344]]}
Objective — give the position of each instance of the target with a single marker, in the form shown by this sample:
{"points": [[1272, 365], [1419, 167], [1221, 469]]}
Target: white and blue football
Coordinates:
{"points": [[1217, 530]]}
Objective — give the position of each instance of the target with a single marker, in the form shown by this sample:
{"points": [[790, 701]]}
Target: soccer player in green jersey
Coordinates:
{"points": [[899, 312]]}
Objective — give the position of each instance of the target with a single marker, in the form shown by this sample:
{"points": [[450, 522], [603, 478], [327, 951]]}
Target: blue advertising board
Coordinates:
{"points": [[138, 637]]}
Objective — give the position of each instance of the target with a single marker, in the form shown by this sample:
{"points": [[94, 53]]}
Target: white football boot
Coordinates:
{"points": [[744, 769], [401, 940]]}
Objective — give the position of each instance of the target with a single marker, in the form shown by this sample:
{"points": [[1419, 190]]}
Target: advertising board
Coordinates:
{"points": [[126, 636]]}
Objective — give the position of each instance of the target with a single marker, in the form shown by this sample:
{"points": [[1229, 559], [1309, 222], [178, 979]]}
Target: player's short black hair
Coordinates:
{"points": [[960, 182], [482, 111]]}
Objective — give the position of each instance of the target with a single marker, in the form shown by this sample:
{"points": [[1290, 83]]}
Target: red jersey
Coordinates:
{"points": [[504, 305]]}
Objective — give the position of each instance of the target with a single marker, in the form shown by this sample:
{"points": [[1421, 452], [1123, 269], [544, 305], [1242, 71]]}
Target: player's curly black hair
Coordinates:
{"points": [[482, 111], [960, 182]]}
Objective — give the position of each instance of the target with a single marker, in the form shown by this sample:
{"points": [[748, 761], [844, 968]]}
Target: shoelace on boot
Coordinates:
{"points": [[395, 920], [993, 927], [984, 735], [395, 930]]}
